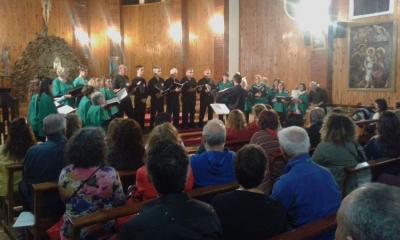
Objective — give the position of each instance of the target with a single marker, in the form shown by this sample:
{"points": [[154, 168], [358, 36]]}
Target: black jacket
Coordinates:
{"points": [[201, 88], [235, 97], [138, 87], [173, 217], [188, 84], [120, 81], [155, 85], [171, 85]]}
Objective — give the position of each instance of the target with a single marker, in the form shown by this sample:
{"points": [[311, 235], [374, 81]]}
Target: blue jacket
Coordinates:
{"points": [[213, 168], [307, 191]]}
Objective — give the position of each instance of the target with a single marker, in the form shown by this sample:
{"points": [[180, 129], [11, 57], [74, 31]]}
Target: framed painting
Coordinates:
{"points": [[371, 54]]}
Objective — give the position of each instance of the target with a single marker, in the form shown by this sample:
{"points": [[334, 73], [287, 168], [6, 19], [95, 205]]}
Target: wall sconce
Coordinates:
{"points": [[193, 37], [82, 36], [216, 23], [175, 31], [114, 35]]}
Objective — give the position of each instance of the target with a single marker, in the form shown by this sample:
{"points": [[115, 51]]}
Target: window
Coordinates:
{"points": [[130, 2], [369, 8]]}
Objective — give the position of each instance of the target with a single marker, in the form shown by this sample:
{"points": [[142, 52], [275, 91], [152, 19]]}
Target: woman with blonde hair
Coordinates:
{"points": [[338, 148], [236, 126], [144, 189]]}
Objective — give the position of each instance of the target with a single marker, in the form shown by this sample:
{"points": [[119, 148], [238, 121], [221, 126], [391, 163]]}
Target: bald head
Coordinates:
{"points": [[370, 212], [214, 133]]}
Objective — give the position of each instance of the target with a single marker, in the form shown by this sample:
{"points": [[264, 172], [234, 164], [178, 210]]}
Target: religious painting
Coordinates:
{"points": [[372, 52]]}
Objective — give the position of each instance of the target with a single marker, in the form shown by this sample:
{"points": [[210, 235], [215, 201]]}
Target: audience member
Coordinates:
{"points": [[371, 212], [144, 188], [338, 148], [268, 122], [97, 116], [125, 144], [307, 191], [216, 165], [380, 105], [236, 127], [315, 119], [87, 185], [257, 109], [44, 162], [19, 139], [247, 213], [294, 119], [73, 124], [85, 104], [174, 215]]}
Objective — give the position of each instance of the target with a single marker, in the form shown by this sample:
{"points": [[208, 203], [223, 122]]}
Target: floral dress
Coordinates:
{"points": [[102, 191]]}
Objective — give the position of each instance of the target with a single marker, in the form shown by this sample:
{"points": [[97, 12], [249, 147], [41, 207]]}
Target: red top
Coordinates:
{"points": [[253, 128], [232, 135], [146, 191]]}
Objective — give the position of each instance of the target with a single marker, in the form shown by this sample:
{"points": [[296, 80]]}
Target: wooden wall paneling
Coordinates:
{"points": [[220, 63], [147, 38], [340, 92], [271, 44]]}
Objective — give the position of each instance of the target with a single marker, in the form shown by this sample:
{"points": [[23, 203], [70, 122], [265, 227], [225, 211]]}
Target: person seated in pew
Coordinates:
{"points": [[85, 104], [236, 127], [338, 148], [380, 105], [247, 213], [40, 106], [125, 144], [294, 119], [174, 215], [216, 165], [97, 115], [144, 189], [386, 144], [256, 110], [307, 191], [267, 136], [314, 120], [86, 185], [370, 212], [73, 124], [19, 139], [43, 163]]}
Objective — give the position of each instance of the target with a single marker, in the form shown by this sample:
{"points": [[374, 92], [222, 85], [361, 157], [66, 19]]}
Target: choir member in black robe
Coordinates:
{"points": [[122, 81], [156, 90], [174, 89], [188, 99], [138, 87], [206, 88]]}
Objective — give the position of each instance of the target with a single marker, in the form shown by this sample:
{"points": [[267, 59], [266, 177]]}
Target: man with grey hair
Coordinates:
{"points": [[174, 90], [307, 191], [370, 212], [216, 165], [44, 162]]}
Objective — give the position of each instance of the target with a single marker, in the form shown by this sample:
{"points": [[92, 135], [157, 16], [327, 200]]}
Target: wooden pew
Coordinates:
{"points": [[11, 200], [309, 230], [237, 144], [187, 135], [130, 209], [374, 165], [42, 223]]}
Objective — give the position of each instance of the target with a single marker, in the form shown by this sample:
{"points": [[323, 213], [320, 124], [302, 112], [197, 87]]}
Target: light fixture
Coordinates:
{"points": [[114, 35], [313, 16], [175, 31], [216, 23], [193, 36], [82, 36]]}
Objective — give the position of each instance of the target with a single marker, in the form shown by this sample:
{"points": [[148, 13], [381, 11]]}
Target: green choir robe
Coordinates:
{"points": [[79, 82], [223, 86], [83, 109], [61, 88], [303, 105], [97, 116], [253, 100], [108, 94], [38, 110], [279, 106]]}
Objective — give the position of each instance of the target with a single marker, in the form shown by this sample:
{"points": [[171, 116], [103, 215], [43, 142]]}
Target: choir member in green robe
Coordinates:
{"points": [[85, 104], [300, 101], [61, 86], [280, 105], [225, 83], [258, 93], [40, 107], [108, 94], [98, 115], [81, 81], [34, 87]]}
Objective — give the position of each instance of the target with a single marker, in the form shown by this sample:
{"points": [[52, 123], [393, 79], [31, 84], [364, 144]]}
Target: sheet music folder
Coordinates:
{"points": [[220, 108]]}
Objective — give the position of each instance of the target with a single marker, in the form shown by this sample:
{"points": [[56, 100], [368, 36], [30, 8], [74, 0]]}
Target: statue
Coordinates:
{"points": [[5, 61]]}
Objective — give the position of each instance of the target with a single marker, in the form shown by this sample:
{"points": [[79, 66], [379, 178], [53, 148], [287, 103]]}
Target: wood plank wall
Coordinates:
{"points": [[21, 20], [340, 93], [148, 42]]}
